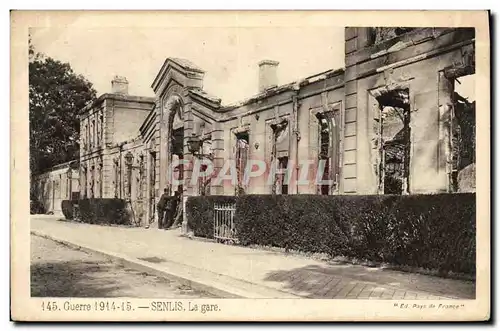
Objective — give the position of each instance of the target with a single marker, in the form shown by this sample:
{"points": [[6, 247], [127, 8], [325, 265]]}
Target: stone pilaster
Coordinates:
{"points": [[218, 151], [445, 94], [188, 188]]}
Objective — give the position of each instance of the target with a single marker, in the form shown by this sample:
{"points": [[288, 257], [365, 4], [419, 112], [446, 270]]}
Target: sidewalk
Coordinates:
{"points": [[244, 272]]}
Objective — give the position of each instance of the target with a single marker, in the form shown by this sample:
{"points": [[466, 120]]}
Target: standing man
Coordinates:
{"points": [[170, 210], [161, 208], [178, 209]]}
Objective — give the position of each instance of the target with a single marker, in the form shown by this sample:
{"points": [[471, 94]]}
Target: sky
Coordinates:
{"points": [[229, 56]]}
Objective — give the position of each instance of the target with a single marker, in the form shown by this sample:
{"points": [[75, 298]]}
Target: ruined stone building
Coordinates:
{"points": [[390, 122]]}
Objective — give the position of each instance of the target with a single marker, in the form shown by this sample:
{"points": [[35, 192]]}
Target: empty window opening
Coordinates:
{"points": [[328, 150], [242, 149], [204, 180], [92, 181], [101, 133], [395, 141], [101, 182], [279, 158], [129, 159], [116, 168], [152, 184], [94, 136], [141, 177], [281, 176], [463, 141], [84, 182], [178, 142]]}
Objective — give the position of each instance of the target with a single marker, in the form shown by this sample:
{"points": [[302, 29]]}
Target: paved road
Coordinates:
{"points": [[252, 273], [61, 271]]}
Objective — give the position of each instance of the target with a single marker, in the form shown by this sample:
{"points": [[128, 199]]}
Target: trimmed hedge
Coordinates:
{"points": [[36, 207], [200, 213], [429, 231], [67, 207], [104, 211]]}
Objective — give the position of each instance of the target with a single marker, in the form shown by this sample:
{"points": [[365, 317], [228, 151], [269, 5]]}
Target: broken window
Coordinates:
{"points": [[101, 125], [281, 176], [91, 138], [92, 181], [178, 141], [116, 169], [395, 141], [129, 160], [98, 134], [100, 179], [463, 135], [242, 149], [279, 157], [84, 181], [152, 183], [177, 144], [141, 177], [94, 136], [84, 137], [328, 151]]}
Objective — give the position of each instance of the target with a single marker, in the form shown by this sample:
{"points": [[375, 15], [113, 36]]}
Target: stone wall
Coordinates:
{"points": [[128, 117], [296, 107], [418, 61], [424, 61], [52, 187]]}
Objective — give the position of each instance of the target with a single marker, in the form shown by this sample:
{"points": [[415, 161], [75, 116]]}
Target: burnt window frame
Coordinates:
{"points": [[455, 134], [333, 114], [239, 135], [278, 126], [384, 100]]}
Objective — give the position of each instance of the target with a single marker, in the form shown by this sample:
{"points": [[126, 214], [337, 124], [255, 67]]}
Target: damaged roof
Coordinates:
{"points": [[295, 85]]}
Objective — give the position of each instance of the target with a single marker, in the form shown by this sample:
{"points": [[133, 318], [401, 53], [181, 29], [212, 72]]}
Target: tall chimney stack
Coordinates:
{"points": [[268, 74], [119, 85]]}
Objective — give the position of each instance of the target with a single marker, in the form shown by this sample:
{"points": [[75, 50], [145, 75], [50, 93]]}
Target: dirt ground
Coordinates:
{"points": [[60, 271]]}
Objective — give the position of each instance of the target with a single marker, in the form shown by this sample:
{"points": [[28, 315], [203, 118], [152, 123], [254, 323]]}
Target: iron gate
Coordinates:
{"points": [[224, 230]]}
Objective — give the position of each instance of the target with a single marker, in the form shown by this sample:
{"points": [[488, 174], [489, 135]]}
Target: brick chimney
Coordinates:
{"points": [[268, 74], [119, 85]]}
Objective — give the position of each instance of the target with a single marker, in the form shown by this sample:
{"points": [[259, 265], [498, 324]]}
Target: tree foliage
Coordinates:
{"points": [[56, 95]]}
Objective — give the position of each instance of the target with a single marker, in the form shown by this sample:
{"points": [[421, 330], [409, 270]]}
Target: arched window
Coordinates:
{"points": [[173, 127]]}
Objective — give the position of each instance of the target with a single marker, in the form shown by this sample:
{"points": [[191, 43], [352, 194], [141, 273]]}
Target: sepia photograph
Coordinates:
{"points": [[175, 169]]}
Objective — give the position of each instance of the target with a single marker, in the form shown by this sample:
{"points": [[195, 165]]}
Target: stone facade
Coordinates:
{"points": [[426, 63], [386, 123], [112, 159], [55, 185]]}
